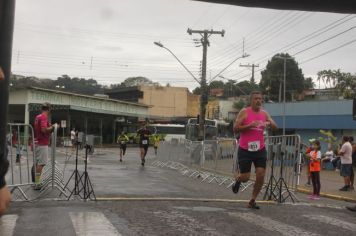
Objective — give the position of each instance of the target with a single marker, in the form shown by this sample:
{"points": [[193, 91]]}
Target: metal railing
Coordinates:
{"points": [[215, 161], [22, 168], [52, 177], [21, 158]]}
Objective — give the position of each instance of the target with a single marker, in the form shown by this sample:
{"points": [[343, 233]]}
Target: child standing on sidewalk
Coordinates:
{"points": [[314, 166]]}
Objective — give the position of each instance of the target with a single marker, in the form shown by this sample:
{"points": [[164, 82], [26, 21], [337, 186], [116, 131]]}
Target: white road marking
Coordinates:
{"points": [[332, 221], [92, 224], [272, 225], [7, 224]]}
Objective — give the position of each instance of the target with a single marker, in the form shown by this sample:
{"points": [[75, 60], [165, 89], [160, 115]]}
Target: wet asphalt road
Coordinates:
{"points": [[127, 180]]}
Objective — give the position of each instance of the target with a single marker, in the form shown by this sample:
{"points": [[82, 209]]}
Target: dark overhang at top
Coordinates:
{"points": [[337, 6]]}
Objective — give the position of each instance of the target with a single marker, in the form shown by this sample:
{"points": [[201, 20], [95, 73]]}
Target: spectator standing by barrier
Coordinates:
{"points": [[156, 140], [314, 167], [122, 140], [353, 157], [336, 162], [18, 153], [251, 123], [354, 165], [73, 138], [43, 130], [346, 163], [328, 156], [144, 135]]}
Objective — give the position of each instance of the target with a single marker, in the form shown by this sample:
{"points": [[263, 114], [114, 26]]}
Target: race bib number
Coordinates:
{"points": [[144, 142], [254, 146], [122, 142]]}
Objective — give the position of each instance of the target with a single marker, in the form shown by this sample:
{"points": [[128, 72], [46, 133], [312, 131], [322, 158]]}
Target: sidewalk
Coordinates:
{"points": [[331, 182]]}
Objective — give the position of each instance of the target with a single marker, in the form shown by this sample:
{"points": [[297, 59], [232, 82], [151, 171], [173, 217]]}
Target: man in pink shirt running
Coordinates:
{"points": [[43, 131], [251, 123]]}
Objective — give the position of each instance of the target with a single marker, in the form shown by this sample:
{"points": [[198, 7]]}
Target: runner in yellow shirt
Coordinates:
{"points": [[156, 140], [122, 140]]}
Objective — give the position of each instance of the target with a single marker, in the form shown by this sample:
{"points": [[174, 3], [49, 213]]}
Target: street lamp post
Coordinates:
{"points": [[202, 82], [285, 58], [159, 44]]}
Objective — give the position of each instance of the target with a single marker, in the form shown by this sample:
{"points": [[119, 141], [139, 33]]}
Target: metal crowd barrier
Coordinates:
{"points": [[52, 177], [196, 159], [283, 167], [21, 159], [214, 161]]}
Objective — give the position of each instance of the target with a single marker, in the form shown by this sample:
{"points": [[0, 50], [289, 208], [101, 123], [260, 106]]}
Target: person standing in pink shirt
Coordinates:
{"points": [[251, 123], [43, 131]]}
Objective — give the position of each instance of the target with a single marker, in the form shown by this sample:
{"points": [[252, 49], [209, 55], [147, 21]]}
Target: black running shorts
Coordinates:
{"points": [[144, 146], [246, 158]]}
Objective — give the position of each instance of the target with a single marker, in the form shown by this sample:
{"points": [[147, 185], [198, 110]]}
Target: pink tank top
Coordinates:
{"points": [[253, 139]]}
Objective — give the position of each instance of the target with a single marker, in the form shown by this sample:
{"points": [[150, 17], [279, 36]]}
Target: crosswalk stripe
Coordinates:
{"points": [[272, 225], [332, 221], [7, 224], [92, 224]]}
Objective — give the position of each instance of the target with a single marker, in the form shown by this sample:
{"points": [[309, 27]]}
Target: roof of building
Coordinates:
{"points": [[137, 88], [81, 95]]}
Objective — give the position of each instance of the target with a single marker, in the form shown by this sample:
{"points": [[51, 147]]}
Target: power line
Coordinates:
{"points": [[99, 32], [272, 33], [221, 16], [329, 51], [313, 58], [288, 22], [325, 40], [70, 57], [308, 37], [256, 32]]}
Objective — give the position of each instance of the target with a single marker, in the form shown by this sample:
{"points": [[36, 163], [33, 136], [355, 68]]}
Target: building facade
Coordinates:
{"points": [[99, 116], [309, 117], [164, 102]]}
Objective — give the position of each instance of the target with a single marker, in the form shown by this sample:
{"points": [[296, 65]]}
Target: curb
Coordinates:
{"points": [[328, 195], [178, 199]]}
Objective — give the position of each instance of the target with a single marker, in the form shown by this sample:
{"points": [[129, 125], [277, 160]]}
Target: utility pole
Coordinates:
{"points": [[252, 81], [203, 84]]}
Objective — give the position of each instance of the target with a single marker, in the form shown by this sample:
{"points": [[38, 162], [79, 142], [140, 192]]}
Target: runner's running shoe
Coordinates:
{"points": [[252, 204], [236, 186]]}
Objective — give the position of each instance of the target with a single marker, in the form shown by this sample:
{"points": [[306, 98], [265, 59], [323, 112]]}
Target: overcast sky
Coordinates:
{"points": [[110, 40]]}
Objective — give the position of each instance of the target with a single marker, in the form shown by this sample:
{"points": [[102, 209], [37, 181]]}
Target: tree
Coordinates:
{"points": [[135, 81], [245, 87], [329, 77], [345, 83], [77, 85], [216, 84], [308, 83], [239, 105], [272, 77], [197, 91]]}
